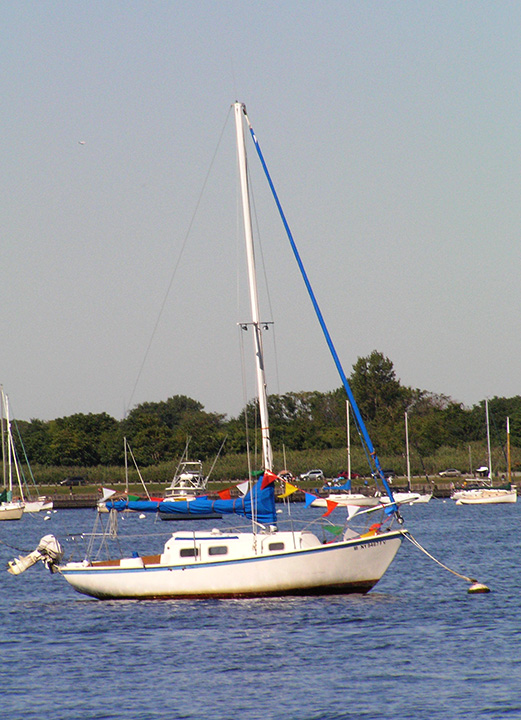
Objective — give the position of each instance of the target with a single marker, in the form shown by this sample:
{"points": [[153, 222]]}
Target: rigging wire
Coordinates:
{"points": [[176, 266], [356, 412]]}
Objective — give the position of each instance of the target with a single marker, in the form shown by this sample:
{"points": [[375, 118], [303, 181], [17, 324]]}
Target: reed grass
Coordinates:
{"points": [[231, 468]]}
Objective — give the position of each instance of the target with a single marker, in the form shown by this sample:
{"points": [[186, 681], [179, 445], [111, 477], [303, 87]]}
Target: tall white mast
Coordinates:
{"points": [[9, 446], [509, 463], [2, 420], [488, 445], [126, 464], [407, 451], [267, 455], [348, 441]]}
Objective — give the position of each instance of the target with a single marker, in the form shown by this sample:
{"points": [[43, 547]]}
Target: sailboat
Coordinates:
{"points": [[339, 492], [32, 503], [263, 561], [407, 495], [10, 509], [108, 493], [187, 485], [483, 493]]}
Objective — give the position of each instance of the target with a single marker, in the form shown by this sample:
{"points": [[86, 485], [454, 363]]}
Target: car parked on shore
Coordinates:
{"points": [[354, 475], [314, 475], [451, 472]]}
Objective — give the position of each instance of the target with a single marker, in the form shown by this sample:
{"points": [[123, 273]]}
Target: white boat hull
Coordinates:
{"points": [[424, 498], [344, 499], [41, 505], [11, 511], [352, 566], [485, 496], [402, 498]]}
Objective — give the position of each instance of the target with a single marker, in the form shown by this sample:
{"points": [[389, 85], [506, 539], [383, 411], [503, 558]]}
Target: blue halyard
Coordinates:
{"points": [[358, 417]]}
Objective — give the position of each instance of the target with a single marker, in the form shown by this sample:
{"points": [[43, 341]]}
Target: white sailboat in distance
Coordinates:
{"points": [[484, 493]]}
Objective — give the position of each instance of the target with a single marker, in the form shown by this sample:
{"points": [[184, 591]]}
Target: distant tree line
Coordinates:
{"points": [[158, 431]]}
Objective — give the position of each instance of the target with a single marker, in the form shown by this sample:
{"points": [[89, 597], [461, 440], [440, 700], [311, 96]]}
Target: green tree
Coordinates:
{"points": [[36, 438], [158, 431], [75, 440], [381, 399]]}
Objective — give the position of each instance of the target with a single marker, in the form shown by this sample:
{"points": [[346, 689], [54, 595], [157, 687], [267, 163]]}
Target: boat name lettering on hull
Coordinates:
{"points": [[369, 544]]}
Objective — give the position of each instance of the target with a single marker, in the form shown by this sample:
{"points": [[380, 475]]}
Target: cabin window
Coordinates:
{"points": [[276, 546], [218, 550], [189, 552]]}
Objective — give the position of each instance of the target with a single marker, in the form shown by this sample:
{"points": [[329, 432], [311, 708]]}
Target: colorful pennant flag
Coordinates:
{"points": [[330, 507], [373, 530], [225, 494], [290, 489], [309, 499], [334, 529], [268, 478]]}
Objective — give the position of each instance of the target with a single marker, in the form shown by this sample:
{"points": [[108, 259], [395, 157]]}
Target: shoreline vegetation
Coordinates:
{"points": [[233, 468], [308, 430]]}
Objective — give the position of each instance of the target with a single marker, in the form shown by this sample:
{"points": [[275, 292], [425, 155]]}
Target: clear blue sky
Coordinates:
{"points": [[392, 130]]}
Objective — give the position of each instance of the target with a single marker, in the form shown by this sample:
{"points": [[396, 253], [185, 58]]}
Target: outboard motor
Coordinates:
{"points": [[48, 551]]}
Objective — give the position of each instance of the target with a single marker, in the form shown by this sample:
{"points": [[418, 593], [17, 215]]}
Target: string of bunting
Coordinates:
{"points": [[270, 477], [309, 497], [330, 504]]}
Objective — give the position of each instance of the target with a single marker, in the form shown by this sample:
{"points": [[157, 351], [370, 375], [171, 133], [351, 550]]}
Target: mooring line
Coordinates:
{"points": [[476, 587]]}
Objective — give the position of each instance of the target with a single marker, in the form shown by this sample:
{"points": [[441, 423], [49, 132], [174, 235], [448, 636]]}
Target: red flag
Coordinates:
{"points": [[373, 530], [268, 478], [330, 507], [225, 494]]}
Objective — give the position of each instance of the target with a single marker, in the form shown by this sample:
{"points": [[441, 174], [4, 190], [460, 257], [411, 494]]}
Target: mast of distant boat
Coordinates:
{"points": [[348, 442], [5, 404], [4, 459], [488, 445], [252, 280], [126, 465], [407, 451], [508, 454]]}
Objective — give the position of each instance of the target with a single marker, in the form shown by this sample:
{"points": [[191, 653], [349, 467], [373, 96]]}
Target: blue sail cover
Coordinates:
{"points": [[257, 503], [345, 486]]}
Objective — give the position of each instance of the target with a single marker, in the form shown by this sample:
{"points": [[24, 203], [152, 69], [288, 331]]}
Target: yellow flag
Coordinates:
{"points": [[290, 489]]}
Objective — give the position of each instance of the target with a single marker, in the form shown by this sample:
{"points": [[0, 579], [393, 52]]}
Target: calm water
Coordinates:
{"points": [[417, 647]]}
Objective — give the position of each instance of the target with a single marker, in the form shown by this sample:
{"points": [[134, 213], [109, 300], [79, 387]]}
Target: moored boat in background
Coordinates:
{"points": [[481, 491], [10, 508]]}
